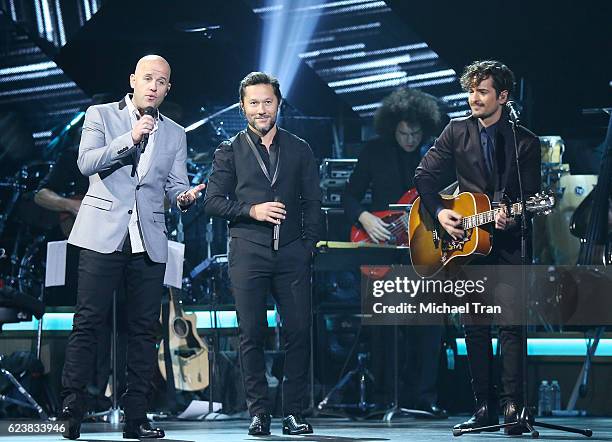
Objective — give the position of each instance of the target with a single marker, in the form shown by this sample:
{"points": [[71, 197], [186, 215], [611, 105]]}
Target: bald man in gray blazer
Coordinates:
{"points": [[134, 158]]}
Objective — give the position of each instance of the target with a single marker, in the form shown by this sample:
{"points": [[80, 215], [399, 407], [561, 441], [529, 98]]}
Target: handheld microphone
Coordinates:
{"points": [[276, 235], [513, 111], [151, 111]]}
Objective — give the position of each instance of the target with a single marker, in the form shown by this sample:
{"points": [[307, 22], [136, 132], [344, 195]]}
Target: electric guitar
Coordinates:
{"points": [[397, 220], [432, 248], [188, 353]]}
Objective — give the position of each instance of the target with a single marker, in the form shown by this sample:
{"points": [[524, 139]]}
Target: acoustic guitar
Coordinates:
{"points": [[432, 248], [397, 220], [188, 353]]}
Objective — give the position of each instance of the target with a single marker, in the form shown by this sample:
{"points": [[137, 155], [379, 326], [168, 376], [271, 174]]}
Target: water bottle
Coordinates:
{"points": [[544, 394], [450, 357], [555, 389]]}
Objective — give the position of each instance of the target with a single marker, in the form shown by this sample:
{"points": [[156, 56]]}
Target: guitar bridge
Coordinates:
{"points": [[436, 238], [450, 245]]}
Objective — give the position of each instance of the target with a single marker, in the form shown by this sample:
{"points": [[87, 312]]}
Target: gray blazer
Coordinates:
{"points": [[106, 155]]}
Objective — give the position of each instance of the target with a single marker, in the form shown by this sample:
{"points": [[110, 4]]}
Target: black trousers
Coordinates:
{"points": [[99, 275], [256, 271], [103, 366], [506, 292], [480, 357]]}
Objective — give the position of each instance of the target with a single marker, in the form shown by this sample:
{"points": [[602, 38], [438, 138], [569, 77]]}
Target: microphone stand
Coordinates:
{"points": [[524, 419]]}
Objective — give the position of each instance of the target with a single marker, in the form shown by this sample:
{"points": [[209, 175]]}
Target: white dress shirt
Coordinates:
{"points": [[143, 166]]}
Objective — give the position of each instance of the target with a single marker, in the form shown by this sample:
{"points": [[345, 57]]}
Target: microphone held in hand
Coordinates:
{"points": [[151, 111], [276, 234]]}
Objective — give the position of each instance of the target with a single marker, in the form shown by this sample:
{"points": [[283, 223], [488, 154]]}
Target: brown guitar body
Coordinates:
{"points": [[189, 354], [431, 248]]}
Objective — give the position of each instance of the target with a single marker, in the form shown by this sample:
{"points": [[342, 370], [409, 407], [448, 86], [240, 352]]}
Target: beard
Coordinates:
{"points": [[263, 128]]}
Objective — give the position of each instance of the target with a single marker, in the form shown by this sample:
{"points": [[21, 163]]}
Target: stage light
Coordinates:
{"points": [[320, 52], [286, 34], [210, 117], [28, 68], [385, 51], [367, 79], [68, 86], [427, 79]]}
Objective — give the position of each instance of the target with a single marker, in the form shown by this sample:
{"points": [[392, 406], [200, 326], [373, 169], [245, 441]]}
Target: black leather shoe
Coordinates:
{"points": [[260, 425], [141, 429], [72, 413], [295, 424], [485, 415], [511, 414], [73, 417], [432, 411]]}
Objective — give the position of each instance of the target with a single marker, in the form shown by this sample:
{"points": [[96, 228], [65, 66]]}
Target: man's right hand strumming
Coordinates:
{"points": [[451, 222], [272, 212], [144, 125], [375, 227]]}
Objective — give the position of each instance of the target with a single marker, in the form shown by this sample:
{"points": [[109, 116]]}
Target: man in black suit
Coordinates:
{"points": [[482, 149], [265, 182], [406, 122]]}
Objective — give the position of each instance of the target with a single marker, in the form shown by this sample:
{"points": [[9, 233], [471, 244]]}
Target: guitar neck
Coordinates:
{"points": [[482, 218], [178, 311]]}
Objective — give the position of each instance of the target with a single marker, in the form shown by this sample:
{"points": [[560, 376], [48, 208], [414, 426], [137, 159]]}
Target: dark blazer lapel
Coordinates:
{"points": [[124, 113], [280, 136], [505, 139]]}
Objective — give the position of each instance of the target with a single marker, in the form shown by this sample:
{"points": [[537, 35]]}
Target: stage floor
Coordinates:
{"points": [[334, 430]]}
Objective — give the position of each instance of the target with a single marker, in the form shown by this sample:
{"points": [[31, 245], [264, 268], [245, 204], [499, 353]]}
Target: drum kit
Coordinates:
{"points": [[23, 229], [553, 242]]}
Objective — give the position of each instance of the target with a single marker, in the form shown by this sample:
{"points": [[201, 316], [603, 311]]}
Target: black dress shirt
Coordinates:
{"points": [[237, 182]]}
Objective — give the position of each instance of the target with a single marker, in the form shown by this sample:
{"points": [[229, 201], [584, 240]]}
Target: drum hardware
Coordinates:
{"points": [[552, 240]]}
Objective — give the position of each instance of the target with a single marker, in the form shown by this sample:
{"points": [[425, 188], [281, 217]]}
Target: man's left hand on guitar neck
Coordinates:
{"points": [[503, 221]]}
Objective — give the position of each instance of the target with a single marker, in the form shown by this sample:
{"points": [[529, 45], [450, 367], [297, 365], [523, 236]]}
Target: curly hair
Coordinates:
{"points": [[411, 106], [503, 78]]}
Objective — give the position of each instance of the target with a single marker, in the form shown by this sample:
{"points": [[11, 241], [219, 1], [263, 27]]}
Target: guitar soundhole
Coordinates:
{"points": [[180, 327]]}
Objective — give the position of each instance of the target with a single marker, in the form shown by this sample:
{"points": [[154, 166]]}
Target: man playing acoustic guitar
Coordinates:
{"points": [[481, 147]]}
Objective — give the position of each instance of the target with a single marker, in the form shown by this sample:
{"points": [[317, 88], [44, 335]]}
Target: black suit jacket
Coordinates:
{"points": [[237, 183], [459, 144]]}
